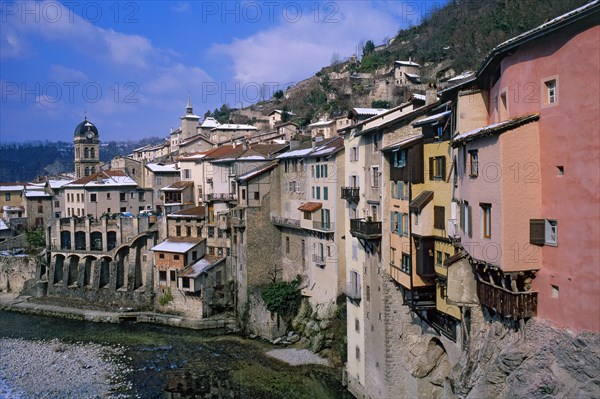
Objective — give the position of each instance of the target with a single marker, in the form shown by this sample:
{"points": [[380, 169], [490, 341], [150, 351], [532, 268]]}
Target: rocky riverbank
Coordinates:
{"points": [[54, 369]]}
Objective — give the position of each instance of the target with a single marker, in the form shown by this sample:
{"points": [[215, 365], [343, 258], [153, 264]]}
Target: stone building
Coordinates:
{"points": [[87, 149]]}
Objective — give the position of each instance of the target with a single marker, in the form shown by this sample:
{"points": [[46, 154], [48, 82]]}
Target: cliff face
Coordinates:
{"points": [[539, 361]]}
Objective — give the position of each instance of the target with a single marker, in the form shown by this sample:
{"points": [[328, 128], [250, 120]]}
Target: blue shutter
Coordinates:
{"points": [[391, 222], [399, 223]]}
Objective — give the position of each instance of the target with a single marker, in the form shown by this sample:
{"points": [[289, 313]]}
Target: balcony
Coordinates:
{"points": [[514, 305], [221, 197], [285, 222], [318, 259], [323, 226], [366, 229], [420, 298], [453, 232], [350, 193], [238, 222], [352, 291]]}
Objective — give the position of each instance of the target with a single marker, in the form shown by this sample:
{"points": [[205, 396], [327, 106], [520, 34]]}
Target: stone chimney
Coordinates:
{"points": [[431, 94], [246, 145], [294, 144]]}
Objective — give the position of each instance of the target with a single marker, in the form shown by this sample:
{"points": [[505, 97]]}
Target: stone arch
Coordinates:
{"points": [[92, 153], [73, 272], [111, 240], [432, 370], [92, 170], [86, 171], [59, 263], [86, 152], [80, 240], [65, 240], [96, 241], [104, 274]]}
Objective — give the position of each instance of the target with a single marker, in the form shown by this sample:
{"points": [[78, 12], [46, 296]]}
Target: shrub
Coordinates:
{"points": [[166, 297], [283, 297]]}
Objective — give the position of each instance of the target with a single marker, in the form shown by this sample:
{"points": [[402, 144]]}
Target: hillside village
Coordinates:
{"points": [[461, 214]]}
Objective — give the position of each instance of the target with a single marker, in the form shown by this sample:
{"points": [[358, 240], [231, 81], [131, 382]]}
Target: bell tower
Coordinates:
{"points": [[87, 149]]}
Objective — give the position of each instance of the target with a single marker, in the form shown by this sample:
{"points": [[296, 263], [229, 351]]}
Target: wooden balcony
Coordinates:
{"points": [[285, 222], [514, 305], [366, 229], [221, 197], [323, 226], [350, 193]]}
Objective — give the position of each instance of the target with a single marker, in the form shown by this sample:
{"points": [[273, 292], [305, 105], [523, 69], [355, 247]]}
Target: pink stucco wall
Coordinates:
{"points": [[569, 137]]}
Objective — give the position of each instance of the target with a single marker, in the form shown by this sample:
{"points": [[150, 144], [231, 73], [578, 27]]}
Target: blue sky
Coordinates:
{"points": [[130, 65]]}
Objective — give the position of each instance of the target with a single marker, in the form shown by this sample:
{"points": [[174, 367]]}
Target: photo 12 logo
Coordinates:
{"points": [[55, 11], [54, 92], [271, 11]]}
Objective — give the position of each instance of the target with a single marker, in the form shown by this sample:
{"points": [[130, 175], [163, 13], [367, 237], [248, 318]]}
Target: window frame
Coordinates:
{"points": [[486, 220]]}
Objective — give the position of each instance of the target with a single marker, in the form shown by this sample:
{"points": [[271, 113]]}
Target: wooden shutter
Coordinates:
{"points": [[392, 227], [431, 168], [400, 221], [439, 213], [443, 168], [462, 216], [537, 231], [470, 221]]}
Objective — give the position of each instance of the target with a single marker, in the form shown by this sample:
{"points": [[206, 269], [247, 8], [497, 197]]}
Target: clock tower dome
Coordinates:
{"points": [[87, 147]]}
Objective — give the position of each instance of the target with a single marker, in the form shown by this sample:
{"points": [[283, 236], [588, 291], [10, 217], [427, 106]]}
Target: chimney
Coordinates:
{"points": [[246, 145], [314, 143], [431, 94], [294, 144]]}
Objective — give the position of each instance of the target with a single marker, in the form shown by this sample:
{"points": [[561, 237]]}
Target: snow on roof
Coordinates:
{"points": [[8, 208], [257, 171], [9, 187], [157, 167], [419, 96], [190, 116], [369, 111], [412, 75], [36, 193], [179, 246], [321, 123], [210, 122], [252, 158], [462, 76], [431, 118], [107, 178], [231, 126], [58, 183], [408, 63], [279, 141], [402, 143], [3, 225], [295, 153], [496, 128]]}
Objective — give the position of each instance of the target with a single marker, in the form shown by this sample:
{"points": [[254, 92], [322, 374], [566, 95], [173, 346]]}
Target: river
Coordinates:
{"points": [[167, 362]]}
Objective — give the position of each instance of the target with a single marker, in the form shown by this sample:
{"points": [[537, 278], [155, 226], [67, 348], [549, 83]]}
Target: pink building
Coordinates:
{"points": [[540, 91]]}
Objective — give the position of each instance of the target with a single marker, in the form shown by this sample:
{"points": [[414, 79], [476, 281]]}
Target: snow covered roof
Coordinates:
{"points": [[58, 183], [201, 266], [105, 178], [496, 128], [432, 118], [408, 63], [177, 245], [36, 193], [295, 153], [178, 186], [412, 75], [8, 208], [11, 186], [257, 171], [402, 143], [420, 97], [158, 167], [462, 76], [369, 111], [210, 122], [231, 126], [3, 225], [321, 123]]}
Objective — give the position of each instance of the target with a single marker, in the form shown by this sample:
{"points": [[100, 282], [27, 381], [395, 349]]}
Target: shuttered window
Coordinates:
{"points": [[439, 216], [537, 231]]}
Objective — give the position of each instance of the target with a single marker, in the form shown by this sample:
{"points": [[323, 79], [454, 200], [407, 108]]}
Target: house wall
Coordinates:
{"points": [[569, 137]]}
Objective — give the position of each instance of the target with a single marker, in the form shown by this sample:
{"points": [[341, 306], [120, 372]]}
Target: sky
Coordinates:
{"points": [[129, 66]]}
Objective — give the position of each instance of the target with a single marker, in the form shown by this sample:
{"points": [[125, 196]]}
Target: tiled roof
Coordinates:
{"points": [[310, 206], [257, 171], [104, 178], [197, 211]]}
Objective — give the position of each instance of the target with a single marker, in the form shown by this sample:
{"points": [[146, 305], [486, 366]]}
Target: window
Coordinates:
{"points": [[318, 172], [405, 222], [312, 171], [162, 276], [400, 158], [93, 198], [357, 353], [194, 255], [318, 193], [439, 216], [437, 168], [324, 171], [325, 193], [313, 193], [188, 231], [243, 194], [161, 256], [375, 141], [439, 133], [392, 256], [140, 195], [474, 163], [354, 154], [405, 266], [287, 245], [551, 92], [123, 209], [219, 233], [173, 276], [356, 325], [375, 176], [178, 231], [187, 174], [354, 251], [211, 232], [7, 196], [256, 195], [486, 220], [185, 283], [132, 195], [198, 231], [307, 215], [176, 257], [438, 258], [40, 209], [543, 232], [122, 197]]}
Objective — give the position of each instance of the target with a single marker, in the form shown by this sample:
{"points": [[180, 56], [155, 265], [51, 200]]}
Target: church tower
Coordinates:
{"points": [[189, 122], [87, 149]]}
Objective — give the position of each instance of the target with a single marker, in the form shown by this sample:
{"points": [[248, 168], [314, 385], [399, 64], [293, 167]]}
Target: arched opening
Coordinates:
{"points": [[92, 153], [73, 272], [87, 171], [104, 272], [59, 262], [111, 240], [96, 241], [80, 241], [65, 240], [93, 170], [86, 152], [138, 278]]}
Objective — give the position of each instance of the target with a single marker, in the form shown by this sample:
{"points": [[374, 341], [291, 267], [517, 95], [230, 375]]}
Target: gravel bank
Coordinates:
{"points": [[53, 369], [297, 357]]}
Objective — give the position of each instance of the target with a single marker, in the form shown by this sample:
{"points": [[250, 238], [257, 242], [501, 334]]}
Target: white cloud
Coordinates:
{"points": [[289, 51], [62, 73], [181, 6]]}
